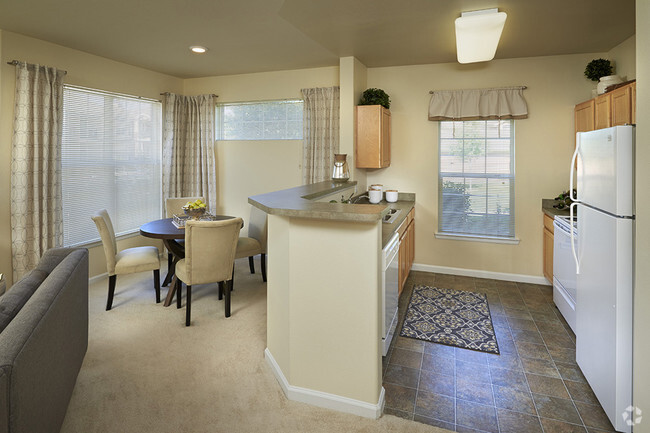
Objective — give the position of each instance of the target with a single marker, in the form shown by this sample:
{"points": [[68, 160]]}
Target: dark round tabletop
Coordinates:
{"points": [[165, 228]]}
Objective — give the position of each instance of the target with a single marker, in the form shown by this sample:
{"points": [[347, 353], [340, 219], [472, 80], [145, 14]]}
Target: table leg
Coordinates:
{"points": [[178, 250], [170, 292]]}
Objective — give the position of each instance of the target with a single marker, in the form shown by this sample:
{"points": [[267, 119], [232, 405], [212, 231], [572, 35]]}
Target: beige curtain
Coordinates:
{"points": [[478, 104], [36, 215], [189, 167], [320, 133]]}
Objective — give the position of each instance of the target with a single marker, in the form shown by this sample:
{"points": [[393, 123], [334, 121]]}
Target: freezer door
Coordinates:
{"points": [[604, 310], [606, 169]]}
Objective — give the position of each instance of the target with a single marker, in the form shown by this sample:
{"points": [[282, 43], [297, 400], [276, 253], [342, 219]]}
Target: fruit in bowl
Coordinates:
{"points": [[195, 209]]}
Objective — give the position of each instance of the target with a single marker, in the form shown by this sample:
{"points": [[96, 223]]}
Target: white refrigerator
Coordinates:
{"points": [[604, 264]]}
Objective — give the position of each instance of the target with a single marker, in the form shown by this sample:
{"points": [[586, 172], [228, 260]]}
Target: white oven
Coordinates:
{"points": [[390, 295], [564, 269]]}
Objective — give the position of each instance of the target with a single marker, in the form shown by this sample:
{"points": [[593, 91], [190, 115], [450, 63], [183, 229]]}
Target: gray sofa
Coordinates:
{"points": [[43, 340]]}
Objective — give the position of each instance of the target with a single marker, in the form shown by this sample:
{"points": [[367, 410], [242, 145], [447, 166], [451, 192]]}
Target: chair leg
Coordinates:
{"points": [[156, 284], [228, 288], [263, 260], [232, 278], [111, 291], [251, 264], [179, 288], [188, 305], [221, 290]]}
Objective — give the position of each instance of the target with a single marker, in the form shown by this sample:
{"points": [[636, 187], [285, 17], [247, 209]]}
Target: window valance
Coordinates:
{"points": [[478, 104]]}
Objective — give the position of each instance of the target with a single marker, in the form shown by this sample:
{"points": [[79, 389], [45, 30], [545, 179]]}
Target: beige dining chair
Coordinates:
{"points": [[209, 258], [174, 206], [127, 261], [255, 243]]}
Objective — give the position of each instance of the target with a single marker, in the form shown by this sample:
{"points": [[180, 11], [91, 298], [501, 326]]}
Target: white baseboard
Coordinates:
{"points": [[324, 399], [519, 278]]}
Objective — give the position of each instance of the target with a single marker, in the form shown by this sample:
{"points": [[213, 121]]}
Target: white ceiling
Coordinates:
{"points": [[246, 36]]}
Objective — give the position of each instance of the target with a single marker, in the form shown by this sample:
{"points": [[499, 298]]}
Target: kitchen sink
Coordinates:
{"points": [[391, 215]]}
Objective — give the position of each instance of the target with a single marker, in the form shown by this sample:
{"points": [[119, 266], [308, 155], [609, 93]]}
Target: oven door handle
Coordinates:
{"points": [[573, 243]]}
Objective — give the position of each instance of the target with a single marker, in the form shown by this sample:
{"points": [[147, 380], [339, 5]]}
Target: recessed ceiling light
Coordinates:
{"points": [[198, 49]]}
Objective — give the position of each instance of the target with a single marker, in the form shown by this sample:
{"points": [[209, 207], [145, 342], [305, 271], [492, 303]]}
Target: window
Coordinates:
{"points": [[110, 158], [272, 120], [476, 179]]}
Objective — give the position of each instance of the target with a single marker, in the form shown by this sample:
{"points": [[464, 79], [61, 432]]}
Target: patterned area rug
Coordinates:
{"points": [[452, 317]]}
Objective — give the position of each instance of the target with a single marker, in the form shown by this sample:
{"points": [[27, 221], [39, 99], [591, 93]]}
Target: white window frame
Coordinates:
{"points": [[85, 210], [221, 133], [463, 174]]}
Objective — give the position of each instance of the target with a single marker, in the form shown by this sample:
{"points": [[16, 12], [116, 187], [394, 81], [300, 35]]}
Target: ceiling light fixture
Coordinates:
{"points": [[478, 34], [198, 49]]}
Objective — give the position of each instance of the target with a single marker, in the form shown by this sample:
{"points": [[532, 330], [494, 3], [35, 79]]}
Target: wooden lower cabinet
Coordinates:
{"points": [[548, 248], [406, 248]]}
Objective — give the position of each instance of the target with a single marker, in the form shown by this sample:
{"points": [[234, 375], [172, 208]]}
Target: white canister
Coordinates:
{"points": [[376, 186], [391, 195], [374, 196]]}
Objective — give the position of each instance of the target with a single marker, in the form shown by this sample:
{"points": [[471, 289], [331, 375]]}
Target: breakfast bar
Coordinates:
{"points": [[324, 297]]}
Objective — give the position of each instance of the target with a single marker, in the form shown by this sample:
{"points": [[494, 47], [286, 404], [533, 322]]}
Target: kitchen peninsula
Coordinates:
{"points": [[324, 295]]}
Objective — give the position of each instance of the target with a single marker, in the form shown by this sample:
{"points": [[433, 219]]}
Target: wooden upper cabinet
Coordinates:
{"points": [[616, 107], [584, 116], [621, 106], [373, 133], [633, 97], [603, 111]]}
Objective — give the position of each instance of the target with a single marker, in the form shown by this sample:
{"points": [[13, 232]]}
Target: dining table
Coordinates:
{"points": [[172, 237]]}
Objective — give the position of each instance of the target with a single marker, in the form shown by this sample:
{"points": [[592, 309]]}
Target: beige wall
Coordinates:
{"points": [[642, 238], [543, 148], [313, 350], [353, 75], [253, 167], [624, 57], [83, 70]]}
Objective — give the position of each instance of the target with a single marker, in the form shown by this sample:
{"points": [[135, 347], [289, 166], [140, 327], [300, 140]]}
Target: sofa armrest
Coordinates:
{"points": [[42, 349]]}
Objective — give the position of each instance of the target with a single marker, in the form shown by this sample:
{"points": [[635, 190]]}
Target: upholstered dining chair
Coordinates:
{"points": [[209, 258], [174, 206], [255, 243], [127, 261]]}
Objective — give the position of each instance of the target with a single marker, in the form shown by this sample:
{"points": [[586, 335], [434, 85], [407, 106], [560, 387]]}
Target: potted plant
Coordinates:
{"points": [[375, 96], [601, 70]]}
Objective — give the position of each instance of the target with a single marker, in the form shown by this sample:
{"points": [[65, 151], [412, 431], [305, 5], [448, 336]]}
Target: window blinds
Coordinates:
{"points": [[111, 158], [476, 178]]}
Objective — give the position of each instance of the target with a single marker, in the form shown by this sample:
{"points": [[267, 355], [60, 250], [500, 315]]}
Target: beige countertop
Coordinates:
{"points": [[299, 202]]}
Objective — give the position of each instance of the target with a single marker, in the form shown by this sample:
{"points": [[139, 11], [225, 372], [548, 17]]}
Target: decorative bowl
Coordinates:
{"points": [[195, 213]]}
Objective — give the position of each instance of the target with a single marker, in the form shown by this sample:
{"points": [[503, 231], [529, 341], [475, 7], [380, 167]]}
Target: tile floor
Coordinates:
{"points": [[534, 385]]}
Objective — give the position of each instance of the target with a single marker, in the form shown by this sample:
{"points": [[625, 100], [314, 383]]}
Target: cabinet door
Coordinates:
{"points": [[403, 258], [603, 111], [584, 116], [548, 248], [411, 232], [385, 137], [622, 106], [372, 137]]}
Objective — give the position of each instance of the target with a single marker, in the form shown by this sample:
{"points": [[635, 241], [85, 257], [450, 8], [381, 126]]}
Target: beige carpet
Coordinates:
{"points": [[146, 372]]}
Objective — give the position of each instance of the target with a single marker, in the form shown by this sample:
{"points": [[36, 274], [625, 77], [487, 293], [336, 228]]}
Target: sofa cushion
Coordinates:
{"points": [[14, 299]]}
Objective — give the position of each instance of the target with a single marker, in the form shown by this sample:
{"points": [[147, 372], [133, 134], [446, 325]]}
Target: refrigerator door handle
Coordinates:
{"points": [[573, 242], [573, 167]]}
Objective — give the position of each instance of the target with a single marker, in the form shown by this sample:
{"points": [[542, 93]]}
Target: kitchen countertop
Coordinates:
{"points": [[299, 202], [548, 209]]}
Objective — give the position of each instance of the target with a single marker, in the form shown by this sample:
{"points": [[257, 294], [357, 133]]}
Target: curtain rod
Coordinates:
{"points": [[168, 93], [15, 62], [431, 92]]}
